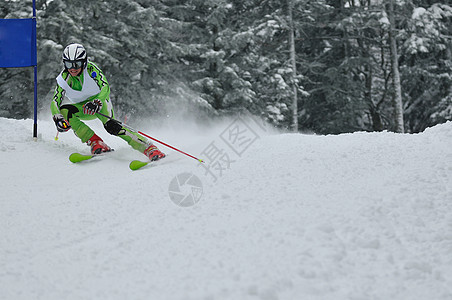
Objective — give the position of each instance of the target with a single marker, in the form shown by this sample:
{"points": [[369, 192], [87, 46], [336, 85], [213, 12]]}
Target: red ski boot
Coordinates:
{"points": [[97, 145], [154, 153]]}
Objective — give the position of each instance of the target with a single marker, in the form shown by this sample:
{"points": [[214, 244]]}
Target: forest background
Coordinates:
{"points": [[322, 66]]}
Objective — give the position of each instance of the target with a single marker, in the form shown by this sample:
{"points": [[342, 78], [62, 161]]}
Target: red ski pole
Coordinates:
{"points": [[154, 139]]}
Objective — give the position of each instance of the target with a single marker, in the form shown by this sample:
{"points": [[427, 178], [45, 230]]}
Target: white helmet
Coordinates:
{"points": [[74, 56]]}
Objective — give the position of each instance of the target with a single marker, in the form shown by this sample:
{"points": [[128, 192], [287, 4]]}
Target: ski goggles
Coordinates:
{"points": [[73, 64]]}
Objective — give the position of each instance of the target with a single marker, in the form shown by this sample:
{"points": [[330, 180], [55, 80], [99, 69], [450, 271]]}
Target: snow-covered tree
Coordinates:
{"points": [[224, 56]]}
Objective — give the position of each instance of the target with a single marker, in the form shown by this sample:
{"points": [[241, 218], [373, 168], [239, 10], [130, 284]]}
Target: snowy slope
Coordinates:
{"points": [[289, 216]]}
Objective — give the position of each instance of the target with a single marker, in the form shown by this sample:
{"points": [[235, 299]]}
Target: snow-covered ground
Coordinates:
{"points": [[278, 216]]}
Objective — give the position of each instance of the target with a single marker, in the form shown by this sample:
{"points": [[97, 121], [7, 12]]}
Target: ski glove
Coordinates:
{"points": [[61, 124], [92, 107]]}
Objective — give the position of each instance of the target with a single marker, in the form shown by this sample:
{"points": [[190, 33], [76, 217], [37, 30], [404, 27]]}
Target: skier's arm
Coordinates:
{"points": [[61, 124], [58, 96], [56, 100], [101, 81]]}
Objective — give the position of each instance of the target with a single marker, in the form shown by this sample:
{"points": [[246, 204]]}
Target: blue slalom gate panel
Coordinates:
{"points": [[17, 43]]}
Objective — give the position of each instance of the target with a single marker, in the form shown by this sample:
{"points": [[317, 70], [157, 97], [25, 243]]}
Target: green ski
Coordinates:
{"points": [[78, 157], [134, 165], [138, 164]]}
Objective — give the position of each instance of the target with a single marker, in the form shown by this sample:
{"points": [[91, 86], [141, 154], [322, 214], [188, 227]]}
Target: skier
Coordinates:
{"points": [[86, 87]]}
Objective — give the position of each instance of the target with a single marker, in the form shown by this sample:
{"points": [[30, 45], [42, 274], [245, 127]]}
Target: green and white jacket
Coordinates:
{"points": [[89, 85]]}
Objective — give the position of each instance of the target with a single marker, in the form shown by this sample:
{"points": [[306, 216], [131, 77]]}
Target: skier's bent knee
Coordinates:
{"points": [[113, 127]]}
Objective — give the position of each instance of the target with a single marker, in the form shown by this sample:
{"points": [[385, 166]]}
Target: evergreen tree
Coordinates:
{"points": [[224, 56], [426, 64]]}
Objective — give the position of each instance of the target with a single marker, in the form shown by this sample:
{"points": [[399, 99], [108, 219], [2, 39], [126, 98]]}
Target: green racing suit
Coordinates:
{"points": [[73, 112]]}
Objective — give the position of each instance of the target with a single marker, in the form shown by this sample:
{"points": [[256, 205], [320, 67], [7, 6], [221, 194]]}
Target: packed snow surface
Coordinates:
{"points": [[278, 216]]}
